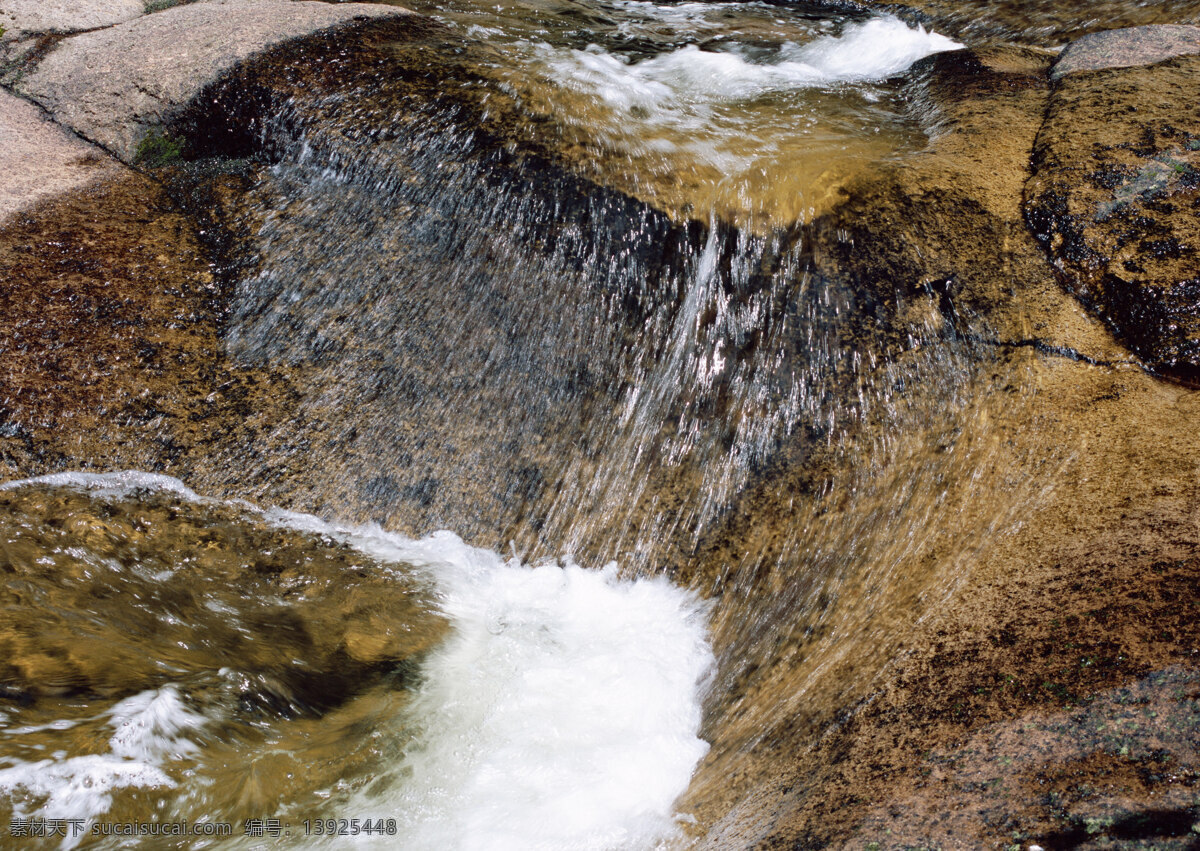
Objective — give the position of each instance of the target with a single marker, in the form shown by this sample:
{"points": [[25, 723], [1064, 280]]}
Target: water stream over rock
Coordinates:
{"points": [[564, 281]]}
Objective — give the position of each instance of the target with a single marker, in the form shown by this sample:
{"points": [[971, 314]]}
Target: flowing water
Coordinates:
{"points": [[550, 292]]}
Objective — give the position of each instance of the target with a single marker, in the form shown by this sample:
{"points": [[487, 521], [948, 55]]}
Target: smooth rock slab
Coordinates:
{"points": [[39, 159], [22, 17], [114, 85], [1126, 48]]}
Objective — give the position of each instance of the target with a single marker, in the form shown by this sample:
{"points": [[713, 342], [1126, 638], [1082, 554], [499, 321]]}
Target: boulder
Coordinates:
{"points": [[19, 18], [38, 159], [946, 224], [1115, 199], [1126, 48], [1042, 23], [113, 86]]}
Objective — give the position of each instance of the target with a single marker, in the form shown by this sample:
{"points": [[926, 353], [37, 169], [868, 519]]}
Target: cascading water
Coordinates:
{"points": [[561, 302]]}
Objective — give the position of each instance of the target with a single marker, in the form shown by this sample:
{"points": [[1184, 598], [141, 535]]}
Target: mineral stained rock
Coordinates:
{"points": [[1115, 199]]}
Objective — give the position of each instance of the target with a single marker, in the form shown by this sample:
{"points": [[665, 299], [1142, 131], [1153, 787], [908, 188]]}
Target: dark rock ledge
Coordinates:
{"points": [[1115, 195]]}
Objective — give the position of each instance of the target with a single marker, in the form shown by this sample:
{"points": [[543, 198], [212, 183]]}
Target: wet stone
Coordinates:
{"points": [[1115, 200]]}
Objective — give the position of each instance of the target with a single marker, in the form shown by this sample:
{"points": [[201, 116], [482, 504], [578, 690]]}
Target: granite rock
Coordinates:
{"points": [[39, 159], [113, 86], [1125, 48], [23, 17]]}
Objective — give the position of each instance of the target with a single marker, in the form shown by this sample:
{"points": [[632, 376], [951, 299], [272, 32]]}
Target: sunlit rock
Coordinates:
{"points": [[115, 85], [1125, 48], [39, 159], [24, 17], [1115, 198]]}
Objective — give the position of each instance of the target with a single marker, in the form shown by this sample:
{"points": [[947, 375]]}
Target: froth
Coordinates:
{"points": [[563, 713], [150, 729], [873, 50]]}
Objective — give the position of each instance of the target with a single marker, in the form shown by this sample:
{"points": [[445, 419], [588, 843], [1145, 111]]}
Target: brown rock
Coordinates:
{"points": [[112, 595], [1115, 200]]}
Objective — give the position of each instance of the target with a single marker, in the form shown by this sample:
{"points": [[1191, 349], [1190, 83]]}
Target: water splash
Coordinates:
{"points": [[562, 711]]}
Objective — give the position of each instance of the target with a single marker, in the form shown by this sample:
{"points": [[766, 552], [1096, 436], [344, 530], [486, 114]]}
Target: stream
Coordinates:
{"points": [[585, 475]]}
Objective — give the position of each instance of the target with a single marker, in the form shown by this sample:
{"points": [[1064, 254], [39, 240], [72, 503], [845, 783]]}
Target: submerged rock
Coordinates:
{"points": [[115, 85], [1115, 200], [111, 592]]}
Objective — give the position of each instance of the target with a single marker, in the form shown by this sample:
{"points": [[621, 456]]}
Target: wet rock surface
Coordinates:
{"points": [[1083, 598], [1115, 199], [131, 345], [1052, 701], [114, 85], [948, 226], [205, 587]]}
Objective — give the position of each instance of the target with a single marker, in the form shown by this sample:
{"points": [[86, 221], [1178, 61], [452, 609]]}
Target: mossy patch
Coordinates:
{"points": [[158, 149], [153, 6]]}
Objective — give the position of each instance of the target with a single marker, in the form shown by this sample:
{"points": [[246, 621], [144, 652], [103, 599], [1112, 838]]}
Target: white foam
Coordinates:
{"points": [[109, 484], [563, 713], [873, 50], [151, 728]]}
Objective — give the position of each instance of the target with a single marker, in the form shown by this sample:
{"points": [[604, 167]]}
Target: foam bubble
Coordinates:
{"points": [[873, 50], [150, 728]]}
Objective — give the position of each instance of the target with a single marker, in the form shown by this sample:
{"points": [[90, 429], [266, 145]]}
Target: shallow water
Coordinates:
{"points": [[656, 98], [268, 665]]}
